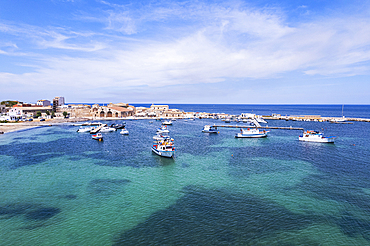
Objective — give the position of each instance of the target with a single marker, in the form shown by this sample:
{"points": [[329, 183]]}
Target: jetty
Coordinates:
{"points": [[263, 127], [97, 129], [256, 124]]}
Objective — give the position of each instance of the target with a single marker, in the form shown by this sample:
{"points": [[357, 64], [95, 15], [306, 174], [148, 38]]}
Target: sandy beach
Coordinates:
{"points": [[12, 127]]}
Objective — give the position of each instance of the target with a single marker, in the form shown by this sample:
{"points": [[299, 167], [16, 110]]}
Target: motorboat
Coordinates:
{"points": [[164, 147], [124, 131], [315, 136], [107, 129], [167, 122], [97, 136], [210, 129], [85, 129], [252, 133], [119, 126], [163, 129], [87, 124]]}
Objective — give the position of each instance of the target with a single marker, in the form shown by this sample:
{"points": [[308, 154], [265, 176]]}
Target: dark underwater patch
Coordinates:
{"points": [[107, 187], [215, 217], [353, 226], [42, 213], [70, 197], [10, 210]]}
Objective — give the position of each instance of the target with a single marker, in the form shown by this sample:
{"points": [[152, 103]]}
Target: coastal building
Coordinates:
{"points": [[58, 101], [118, 110], [27, 111], [159, 107], [43, 103]]}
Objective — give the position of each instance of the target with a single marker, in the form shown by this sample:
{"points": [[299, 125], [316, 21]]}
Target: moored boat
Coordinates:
{"points": [[97, 136], [119, 126], [124, 131], [85, 129], [164, 146], [107, 129], [210, 129], [315, 136], [167, 122], [252, 133], [163, 129]]}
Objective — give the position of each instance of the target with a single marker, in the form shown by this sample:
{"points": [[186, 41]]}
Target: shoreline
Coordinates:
{"points": [[20, 126]]}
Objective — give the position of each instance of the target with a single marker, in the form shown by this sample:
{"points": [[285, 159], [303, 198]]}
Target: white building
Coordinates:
{"points": [[43, 103], [15, 113], [59, 101]]}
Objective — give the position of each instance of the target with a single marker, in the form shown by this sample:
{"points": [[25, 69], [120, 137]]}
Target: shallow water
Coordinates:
{"points": [[60, 187]]}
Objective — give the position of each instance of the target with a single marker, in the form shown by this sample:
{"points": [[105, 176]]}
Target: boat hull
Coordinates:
{"points": [[262, 135], [317, 140], [168, 154], [208, 131]]}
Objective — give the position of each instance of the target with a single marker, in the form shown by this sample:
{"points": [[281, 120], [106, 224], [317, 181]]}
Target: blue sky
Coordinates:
{"points": [[243, 52]]}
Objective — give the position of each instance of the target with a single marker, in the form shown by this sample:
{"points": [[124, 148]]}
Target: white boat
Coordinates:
{"points": [[259, 119], [210, 129], [167, 122], [315, 136], [124, 132], [97, 136], [164, 147], [108, 129], [163, 129], [252, 133], [85, 129]]}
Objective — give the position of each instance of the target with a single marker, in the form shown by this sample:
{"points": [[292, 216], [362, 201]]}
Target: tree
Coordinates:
{"points": [[65, 114], [52, 114], [38, 114], [9, 103], [47, 113]]}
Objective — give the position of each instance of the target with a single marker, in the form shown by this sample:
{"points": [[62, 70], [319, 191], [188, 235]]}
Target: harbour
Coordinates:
{"points": [[59, 186]]}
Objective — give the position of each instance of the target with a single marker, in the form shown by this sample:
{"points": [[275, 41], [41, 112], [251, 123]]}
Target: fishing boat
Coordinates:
{"points": [[124, 132], [315, 136], [252, 133], [164, 147], [98, 136], [209, 129]]}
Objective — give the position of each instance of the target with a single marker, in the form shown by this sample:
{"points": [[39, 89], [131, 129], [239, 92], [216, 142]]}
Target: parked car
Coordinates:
{"points": [[42, 119]]}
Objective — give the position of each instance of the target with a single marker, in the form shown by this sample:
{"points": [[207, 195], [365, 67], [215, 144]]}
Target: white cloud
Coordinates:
{"points": [[209, 44]]}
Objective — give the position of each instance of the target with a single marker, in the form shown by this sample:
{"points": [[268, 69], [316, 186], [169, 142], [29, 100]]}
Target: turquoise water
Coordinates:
{"points": [[60, 187]]}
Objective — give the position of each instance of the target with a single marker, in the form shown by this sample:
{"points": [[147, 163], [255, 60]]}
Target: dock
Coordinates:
{"points": [[263, 127], [97, 129]]}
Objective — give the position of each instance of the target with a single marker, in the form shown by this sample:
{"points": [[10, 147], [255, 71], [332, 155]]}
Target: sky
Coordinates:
{"points": [[227, 52]]}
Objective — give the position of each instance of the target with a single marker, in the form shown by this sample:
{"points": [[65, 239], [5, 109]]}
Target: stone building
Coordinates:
{"points": [[112, 111]]}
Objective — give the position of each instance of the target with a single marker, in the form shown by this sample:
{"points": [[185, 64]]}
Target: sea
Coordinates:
{"points": [[60, 187]]}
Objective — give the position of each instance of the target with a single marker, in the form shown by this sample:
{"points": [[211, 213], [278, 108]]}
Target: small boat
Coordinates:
{"points": [[124, 132], [163, 129], [98, 136], [164, 147], [315, 136], [209, 129], [107, 129], [167, 122], [119, 126], [252, 133], [85, 129]]}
